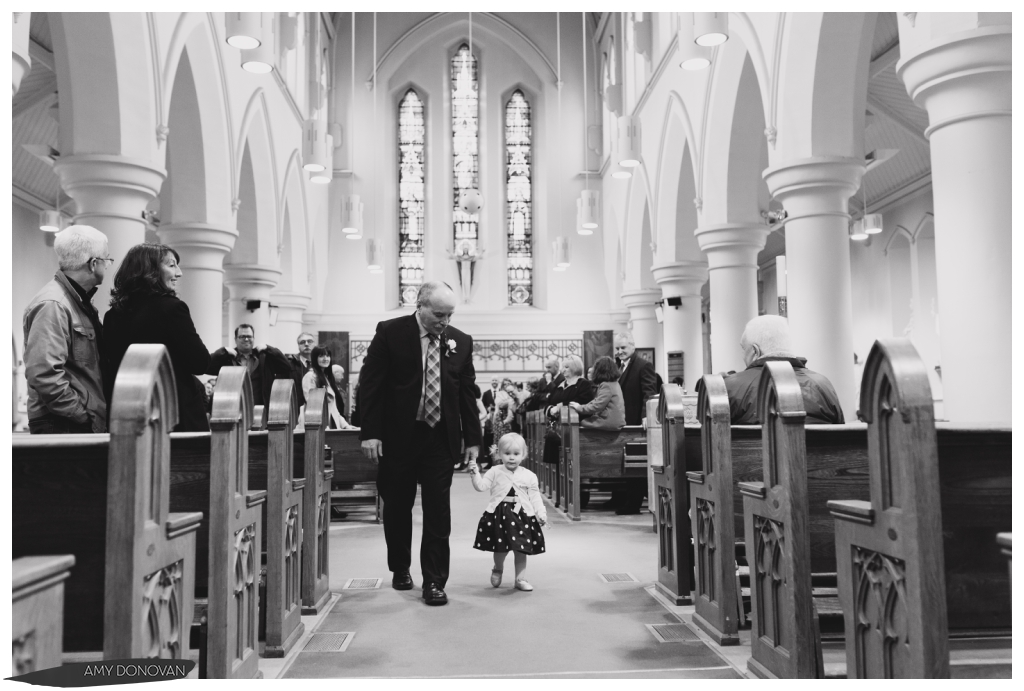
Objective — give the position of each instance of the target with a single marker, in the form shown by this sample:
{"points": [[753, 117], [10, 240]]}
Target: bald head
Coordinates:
{"points": [[435, 304], [766, 336]]}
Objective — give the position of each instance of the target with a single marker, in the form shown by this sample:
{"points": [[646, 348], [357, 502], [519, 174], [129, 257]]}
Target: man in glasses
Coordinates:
{"points": [[63, 339], [302, 362], [265, 363]]}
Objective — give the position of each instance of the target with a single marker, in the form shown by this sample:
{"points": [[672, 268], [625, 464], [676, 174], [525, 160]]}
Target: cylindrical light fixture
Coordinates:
{"points": [[590, 211], [872, 224], [560, 245], [629, 141], [314, 149], [244, 29], [324, 176], [51, 221], [357, 234], [373, 255], [350, 221], [710, 28], [691, 56], [857, 231], [260, 60]]}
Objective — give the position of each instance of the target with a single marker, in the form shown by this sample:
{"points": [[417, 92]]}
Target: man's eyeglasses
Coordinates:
{"points": [[106, 260], [309, 342], [243, 338]]}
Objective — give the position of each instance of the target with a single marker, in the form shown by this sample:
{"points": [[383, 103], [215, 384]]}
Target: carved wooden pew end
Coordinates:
{"points": [[37, 611]]}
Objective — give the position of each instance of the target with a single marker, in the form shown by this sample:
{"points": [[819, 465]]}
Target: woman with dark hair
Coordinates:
{"points": [[607, 410], [323, 374], [144, 308]]}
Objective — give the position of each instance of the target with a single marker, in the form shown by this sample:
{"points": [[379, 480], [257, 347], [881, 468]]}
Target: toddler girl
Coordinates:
{"points": [[515, 512]]}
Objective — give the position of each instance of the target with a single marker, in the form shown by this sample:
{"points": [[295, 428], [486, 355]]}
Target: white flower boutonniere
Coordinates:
{"points": [[451, 346]]}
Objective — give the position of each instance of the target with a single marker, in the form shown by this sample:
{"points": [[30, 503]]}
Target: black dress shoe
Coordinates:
{"points": [[402, 580], [434, 595]]}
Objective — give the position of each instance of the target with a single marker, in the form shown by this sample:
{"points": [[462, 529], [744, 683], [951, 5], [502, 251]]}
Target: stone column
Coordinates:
{"points": [[815, 193], [290, 307], [21, 62], [682, 324], [963, 80], [248, 282], [642, 320], [202, 248], [111, 193], [731, 249]]}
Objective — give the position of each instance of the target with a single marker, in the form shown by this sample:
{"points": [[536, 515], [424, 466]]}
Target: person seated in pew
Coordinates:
{"points": [[145, 308], [573, 388], [63, 339], [607, 410], [767, 338], [326, 375]]}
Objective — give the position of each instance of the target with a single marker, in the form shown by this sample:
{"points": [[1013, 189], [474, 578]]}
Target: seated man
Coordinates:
{"points": [[767, 338]]}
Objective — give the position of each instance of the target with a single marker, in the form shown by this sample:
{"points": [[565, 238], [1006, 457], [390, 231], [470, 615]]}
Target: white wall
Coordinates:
{"points": [[34, 263]]}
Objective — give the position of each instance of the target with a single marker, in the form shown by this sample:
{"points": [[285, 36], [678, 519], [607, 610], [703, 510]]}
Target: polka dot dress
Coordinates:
{"points": [[507, 531]]}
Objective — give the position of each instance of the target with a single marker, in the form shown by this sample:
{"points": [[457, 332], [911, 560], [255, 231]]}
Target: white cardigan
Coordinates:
{"points": [[499, 480]]}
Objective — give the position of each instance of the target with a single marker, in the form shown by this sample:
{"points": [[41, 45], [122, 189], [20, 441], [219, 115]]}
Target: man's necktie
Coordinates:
{"points": [[432, 391]]}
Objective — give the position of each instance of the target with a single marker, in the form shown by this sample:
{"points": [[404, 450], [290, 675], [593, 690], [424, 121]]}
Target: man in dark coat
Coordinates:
{"points": [[265, 363], [767, 338], [302, 361], [417, 404], [638, 380]]}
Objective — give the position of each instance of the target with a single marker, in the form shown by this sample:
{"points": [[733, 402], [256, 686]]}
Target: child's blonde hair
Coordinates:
{"points": [[509, 441]]}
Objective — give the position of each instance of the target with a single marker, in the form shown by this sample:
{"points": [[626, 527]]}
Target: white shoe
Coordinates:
{"points": [[495, 578], [523, 584]]}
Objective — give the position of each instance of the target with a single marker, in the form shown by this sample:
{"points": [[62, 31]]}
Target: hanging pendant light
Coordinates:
{"points": [[560, 248], [591, 207], [711, 28], [325, 175], [629, 141], [357, 234], [314, 151], [872, 224], [260, 60], [51, 221], [244, 29], [350, 221], [692, 57], [857, 231], [374, 250]]}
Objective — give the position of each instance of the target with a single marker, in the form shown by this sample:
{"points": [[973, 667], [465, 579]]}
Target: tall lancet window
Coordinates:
{"points": [[518, 197], [410, 197], [465, 146]]}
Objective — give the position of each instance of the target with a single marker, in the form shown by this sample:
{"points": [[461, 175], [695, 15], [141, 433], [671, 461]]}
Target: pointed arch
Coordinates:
{"points": [[257, 244], [676, 213]]}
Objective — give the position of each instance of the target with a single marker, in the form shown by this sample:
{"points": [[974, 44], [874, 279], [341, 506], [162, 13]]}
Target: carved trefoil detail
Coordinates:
{"points": [[245, 589], [882, 634], [161, 612], [665, 529], [23, 654], [769, 578], [706, 539], [323, 526], [292, 567]]}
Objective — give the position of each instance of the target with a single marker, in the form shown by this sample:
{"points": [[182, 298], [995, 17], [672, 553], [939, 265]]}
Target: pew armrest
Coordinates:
{"points": [[753, 489], [328, 474], [179, 524], [298, 484], [695, 476], [852, 510], [255, 498]]}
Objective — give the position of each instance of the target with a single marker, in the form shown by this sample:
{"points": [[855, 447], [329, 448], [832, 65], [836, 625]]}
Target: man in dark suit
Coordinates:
{"points": [[417, 388], [638, 379], [302, 362]]}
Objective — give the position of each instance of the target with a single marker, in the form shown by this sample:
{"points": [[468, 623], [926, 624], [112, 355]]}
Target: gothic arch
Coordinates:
{"points": [[256, 244], [676, 172], [638, 219], [294, 218]]}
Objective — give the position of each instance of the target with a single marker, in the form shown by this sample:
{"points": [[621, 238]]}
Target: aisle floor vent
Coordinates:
{"points": [[673, 633], [362, 584], [618, 578], [328, 642]]}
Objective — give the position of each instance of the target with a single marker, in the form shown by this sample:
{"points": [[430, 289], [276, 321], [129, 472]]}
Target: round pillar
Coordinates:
{"points": [[963, 81], [248, 283], [290, 308], [643, 323], [815, 193], [732, 250], [21, 62], [682, 323], [202, 248]]}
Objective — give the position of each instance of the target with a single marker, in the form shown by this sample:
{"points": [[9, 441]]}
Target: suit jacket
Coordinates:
{"points": [[272, 365], [488, 398], [162, 319], [543, 395], [298, 372], [391, 382], [639, 382]]}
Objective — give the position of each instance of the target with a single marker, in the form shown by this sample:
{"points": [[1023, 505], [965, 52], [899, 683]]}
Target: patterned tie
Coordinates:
{"points": [[432, 391]]}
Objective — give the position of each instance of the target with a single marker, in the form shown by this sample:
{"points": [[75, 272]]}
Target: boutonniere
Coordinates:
{"points": [[451, 347]]}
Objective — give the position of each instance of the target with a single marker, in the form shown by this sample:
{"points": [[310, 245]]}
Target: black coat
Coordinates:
{"points": [[162, 319], [391, 382], [581, 392], [639, 382], [298, 372], [272, 365]]}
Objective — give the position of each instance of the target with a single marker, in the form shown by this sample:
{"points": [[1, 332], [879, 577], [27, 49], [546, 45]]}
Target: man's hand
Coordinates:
{"points": [[471, 454], [373, 449]]}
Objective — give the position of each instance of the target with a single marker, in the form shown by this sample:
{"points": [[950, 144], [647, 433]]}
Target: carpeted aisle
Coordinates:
{"points": [[573, 625]]}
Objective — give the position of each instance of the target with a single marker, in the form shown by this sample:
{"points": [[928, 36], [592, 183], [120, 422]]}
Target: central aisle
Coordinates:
{"points": [[573, 625]]}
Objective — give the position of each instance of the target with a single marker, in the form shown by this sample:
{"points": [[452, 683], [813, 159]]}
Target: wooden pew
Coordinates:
{"points": [[37, 611], [350, 466], [596, 456], [316, 502], [783, 639], [135, 562]]}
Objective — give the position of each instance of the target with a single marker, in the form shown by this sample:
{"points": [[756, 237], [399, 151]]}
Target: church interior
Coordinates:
{"points": [[570, 176]]}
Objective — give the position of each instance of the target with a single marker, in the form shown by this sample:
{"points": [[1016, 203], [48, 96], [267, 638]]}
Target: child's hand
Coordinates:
{"points": [[473, 467], [542, 520]]}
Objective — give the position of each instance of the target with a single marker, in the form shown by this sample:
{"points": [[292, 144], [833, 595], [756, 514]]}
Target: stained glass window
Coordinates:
{"points": [[518, 197], [465, 146], [410, 196]]}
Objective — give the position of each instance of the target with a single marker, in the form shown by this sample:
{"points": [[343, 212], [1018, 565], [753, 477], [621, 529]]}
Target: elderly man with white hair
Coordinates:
{"points": [[767, 338], [63, 339]]}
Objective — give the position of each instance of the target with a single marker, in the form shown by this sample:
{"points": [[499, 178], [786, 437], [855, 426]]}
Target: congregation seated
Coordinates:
{"points": [[764, 339], [607, 409]]}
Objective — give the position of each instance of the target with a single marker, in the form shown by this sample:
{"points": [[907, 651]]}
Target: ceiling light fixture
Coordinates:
{"points": [[692, 56], [710, 28], [244, 29], [325, 174], [260, 60], [629, 141]]}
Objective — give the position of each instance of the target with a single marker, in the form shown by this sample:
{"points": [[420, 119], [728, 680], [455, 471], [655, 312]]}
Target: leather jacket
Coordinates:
{"points": [[62, 357]]}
